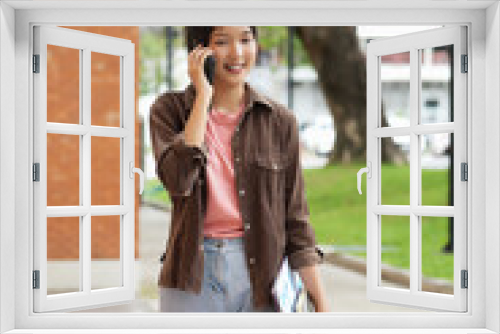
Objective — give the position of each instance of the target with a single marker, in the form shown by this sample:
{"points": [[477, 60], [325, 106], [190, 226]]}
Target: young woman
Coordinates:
{"points": [[229, 158]]}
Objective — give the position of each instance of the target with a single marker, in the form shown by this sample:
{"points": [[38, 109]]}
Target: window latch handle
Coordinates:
{"points": [[368, 171], [133, 170]]}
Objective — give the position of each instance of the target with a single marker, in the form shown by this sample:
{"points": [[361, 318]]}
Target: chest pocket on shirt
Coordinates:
{"points": [[269, 176]]}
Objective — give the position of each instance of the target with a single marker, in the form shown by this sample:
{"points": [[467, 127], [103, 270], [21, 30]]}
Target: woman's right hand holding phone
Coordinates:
{"points": [[196, 62], [195, 127]]}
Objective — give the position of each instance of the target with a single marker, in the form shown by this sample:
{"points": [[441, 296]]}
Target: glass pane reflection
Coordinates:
{"points": [[437, 175], [395, 89], [437, 261], [63, 255], [436, 73], [395, 176]]}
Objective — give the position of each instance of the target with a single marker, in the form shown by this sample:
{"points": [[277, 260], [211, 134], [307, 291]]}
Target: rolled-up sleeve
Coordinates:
{"points": [[300, 246], [178, 165]]}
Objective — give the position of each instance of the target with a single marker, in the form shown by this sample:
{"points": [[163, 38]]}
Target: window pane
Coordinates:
{"points": [[106, 252], [63, 170], [106, 171], [437, 255], [63, 255], [436, 73], [395, 89], [63, 85], [437, 175], [105, 89], [395, 176], [395, 245]]}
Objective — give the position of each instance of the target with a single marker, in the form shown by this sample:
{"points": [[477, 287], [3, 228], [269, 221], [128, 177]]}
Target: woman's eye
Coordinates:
{"points": [[245, 40]]}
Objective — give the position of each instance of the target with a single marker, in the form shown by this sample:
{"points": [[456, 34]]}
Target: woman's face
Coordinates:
{"points": [[235, 51]]}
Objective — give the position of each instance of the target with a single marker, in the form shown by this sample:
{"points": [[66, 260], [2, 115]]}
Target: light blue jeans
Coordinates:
{"points": [[226, 283]]}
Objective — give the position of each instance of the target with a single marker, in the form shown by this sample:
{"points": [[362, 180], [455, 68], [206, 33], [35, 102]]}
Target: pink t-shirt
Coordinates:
{"points": [[223, 217]]}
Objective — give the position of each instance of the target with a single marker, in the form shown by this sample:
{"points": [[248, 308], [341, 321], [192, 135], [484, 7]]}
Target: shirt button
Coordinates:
{"points": [[247, 227], [242, 192], [201, 247], [252, 260], [237, 159], [275, 166]]}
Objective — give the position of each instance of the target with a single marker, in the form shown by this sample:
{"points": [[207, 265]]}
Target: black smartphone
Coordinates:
{"points": [[210, 68]]}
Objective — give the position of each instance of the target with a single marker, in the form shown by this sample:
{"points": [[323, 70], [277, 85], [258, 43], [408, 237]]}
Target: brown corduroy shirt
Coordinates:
{"points": [[270, 188]]}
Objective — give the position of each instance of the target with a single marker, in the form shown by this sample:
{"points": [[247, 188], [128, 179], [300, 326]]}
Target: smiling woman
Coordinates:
{"points": [[232, 221]]}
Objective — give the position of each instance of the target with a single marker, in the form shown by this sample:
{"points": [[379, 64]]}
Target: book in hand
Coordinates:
{"points": [[288, 290]]}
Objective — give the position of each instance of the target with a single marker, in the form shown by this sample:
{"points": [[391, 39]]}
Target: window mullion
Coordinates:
{"points": [[86, 165], [414, 171]]}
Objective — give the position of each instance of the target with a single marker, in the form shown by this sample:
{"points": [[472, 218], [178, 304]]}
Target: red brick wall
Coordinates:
{"points": [[63, 150]]}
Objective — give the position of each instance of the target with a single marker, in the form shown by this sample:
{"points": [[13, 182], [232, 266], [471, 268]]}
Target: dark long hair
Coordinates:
{"points": [[195, 35]]}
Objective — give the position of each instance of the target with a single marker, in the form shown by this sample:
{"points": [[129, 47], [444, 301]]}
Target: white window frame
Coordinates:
{"points": [[414, 212], [124, 52], [17, 19]]}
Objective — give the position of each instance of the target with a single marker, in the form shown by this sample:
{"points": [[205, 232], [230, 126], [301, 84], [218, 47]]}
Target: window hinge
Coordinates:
{"points": [[36, 279], [465, 63], [465, 279], [36, 63], [36, 171], [465, 172]]}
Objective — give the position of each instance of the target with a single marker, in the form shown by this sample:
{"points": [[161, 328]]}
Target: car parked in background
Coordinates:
{"points": [[318, 135]]}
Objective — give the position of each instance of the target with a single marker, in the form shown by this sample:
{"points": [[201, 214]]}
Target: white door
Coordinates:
{"points": [[83, 170], [418, 83]]}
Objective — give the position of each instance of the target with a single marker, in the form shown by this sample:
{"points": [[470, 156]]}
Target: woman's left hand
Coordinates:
{"points": [[317, 294]]}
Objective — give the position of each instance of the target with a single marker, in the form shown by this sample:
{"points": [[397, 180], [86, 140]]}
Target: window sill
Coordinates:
{"points": [[254, 331]]}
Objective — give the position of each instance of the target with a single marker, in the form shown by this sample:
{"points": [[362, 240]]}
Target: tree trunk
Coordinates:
{"points": [[341, 68]]}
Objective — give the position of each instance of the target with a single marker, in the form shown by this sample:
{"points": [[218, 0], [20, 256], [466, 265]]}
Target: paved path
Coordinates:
{"points": [[346, 289]]}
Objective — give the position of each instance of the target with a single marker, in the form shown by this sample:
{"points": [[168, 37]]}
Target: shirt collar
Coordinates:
{"points": [[252, 96]]}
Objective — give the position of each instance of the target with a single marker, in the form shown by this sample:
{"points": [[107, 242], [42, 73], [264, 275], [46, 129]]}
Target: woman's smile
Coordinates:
{"points": [[234, 69]]}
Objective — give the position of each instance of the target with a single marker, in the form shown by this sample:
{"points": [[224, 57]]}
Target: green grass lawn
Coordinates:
{"points": [[338, 213]]}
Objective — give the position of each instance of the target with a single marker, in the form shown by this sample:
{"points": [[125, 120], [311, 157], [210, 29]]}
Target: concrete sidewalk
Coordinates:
{"points": [[345, 288]]}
